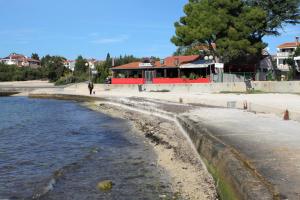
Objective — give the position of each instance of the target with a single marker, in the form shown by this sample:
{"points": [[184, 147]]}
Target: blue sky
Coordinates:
{"points": [[94, 27]]}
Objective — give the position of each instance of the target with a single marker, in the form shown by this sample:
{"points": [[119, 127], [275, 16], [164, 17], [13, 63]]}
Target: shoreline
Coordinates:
{"points": [[175, 155], [188, 176], [231, 169], [233, 181]]}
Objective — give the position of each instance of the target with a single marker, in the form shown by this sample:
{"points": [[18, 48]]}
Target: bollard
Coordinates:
{"points": [[180, 100], [286, 115], [245, 105]]}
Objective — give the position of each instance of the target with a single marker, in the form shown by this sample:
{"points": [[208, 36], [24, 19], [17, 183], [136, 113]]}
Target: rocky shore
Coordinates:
{"points": [[175, 155]]}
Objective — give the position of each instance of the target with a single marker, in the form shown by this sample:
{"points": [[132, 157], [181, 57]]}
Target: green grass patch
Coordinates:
{"points": [[70, 79]]}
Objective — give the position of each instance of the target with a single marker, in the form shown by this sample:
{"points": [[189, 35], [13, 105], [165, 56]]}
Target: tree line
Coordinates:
{"points": [[15, 73], [53, 68]]}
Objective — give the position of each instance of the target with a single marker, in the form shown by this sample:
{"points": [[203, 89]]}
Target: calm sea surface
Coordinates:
{"points": [[51, 149]]}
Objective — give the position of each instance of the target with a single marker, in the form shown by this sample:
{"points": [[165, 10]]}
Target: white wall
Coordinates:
{"points": [[264, 86]]}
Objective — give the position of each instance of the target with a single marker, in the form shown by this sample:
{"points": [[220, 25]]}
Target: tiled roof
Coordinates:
{"points": [[15, 56], [289, 44], [32, 60], [172, 61], [20, 58], [133, 65]]}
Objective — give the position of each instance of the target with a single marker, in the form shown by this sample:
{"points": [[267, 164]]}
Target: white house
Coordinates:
{"points": [[297, 60], [70, 64], [285, 51], [92, 63], [20, 61]]}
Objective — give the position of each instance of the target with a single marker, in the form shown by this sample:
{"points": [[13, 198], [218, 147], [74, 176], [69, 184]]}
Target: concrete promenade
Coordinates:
{"points": [[264, 141], [267, 144], [271, 103]]}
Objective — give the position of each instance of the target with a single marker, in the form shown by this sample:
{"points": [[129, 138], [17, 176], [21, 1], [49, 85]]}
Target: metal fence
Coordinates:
{"points": [[233, 77]]}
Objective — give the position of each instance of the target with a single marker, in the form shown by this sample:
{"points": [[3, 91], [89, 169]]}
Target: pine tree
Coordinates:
{"points": [[237, 27]]}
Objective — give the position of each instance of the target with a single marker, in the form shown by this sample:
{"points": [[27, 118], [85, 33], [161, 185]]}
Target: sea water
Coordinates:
{"points": [[54, 149]]}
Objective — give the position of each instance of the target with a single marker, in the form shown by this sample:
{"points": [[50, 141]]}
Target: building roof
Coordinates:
{"points": [[15, 56], [289, 45], [133, 65], [20, 57], [69, 61], [174, 61], [169, 62], [32, 60]]}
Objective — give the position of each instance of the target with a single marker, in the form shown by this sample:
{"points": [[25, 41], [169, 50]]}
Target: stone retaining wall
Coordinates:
{"points": [[236, 179], [263, 86]]}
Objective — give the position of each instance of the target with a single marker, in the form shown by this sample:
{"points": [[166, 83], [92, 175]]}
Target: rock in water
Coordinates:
{"points": [[105, 185]]}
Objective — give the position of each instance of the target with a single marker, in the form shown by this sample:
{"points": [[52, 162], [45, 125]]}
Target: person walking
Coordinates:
{"points": [[91, 87]]}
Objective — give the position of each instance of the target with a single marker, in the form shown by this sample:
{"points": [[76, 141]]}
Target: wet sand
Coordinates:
{"points": [[175, 156]]}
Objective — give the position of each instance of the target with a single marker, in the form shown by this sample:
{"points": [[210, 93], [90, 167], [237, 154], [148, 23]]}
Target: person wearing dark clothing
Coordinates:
{"points": [[91, 87]]}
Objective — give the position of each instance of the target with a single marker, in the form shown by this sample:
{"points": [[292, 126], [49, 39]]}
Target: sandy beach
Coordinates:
{"points": [[189, 177]]}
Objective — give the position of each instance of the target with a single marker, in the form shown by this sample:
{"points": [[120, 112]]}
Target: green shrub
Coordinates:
{"points": [[15, 73], [193, 76], [71, 79]]}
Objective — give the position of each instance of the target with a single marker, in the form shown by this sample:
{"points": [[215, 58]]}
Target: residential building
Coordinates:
{"points": [[92, 63], [285, 51], [20, 61], [297, 60], [70, 64], [265, 67]]}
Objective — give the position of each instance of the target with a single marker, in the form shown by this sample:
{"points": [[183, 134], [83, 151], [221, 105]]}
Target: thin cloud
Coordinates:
{"points": [[118, 39]]}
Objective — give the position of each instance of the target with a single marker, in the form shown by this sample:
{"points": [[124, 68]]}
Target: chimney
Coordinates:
{"points": [[176, 62], [162, 61], [297, 41]]}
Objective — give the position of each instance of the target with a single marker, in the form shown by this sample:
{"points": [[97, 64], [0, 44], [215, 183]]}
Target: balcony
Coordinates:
{"points": [[283, 67], [284, 54]]}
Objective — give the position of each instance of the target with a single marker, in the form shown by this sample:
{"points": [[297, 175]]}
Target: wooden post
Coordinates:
{"points": [[165, 73], [179, 72]]}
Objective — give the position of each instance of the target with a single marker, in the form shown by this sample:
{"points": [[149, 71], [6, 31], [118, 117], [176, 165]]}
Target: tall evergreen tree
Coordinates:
{"points": [[55, 67], [235, 26], [108, 60], [278, 13], [80, 66], [35, 56]]}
